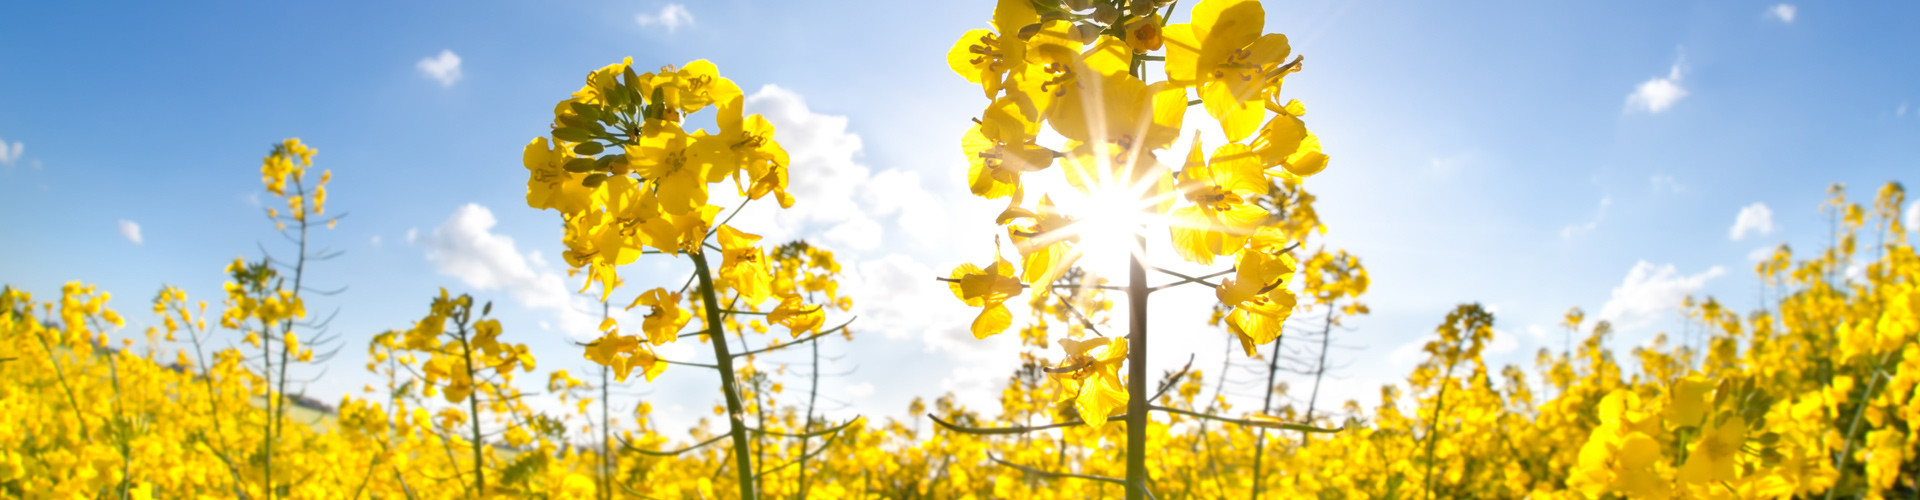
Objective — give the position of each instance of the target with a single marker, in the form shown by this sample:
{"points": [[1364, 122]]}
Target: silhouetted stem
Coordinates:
{"points": [[736, 423], [1137, 372]]}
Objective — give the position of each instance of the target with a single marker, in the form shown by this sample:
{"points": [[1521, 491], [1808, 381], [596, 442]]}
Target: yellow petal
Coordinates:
{"points": [[1239, 115], [1098, 400], [1190, 227], [959, 277], [1183, 54], [1044, 264], [993, 320], [963, 56], [1308, 160]]}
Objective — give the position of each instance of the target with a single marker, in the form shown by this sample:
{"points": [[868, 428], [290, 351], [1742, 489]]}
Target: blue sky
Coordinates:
{"points": [[1532, 156]]}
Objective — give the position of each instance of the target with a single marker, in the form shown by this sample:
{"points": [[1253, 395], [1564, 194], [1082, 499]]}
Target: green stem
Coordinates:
{"points": [[813, 394], [120, 430], [1137, 372], [213, 407], [607, 462], [1439, 406], [61, 375], [266, 444], [1266, 407], [1846, 450], [473, 417], [736, 424], [1137, 401], [1319, 368]]}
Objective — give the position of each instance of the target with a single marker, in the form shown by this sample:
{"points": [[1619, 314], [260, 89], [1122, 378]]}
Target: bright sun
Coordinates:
{"points": [[1109, 218]]}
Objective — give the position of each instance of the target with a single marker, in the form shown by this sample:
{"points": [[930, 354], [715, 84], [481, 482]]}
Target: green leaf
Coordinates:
{"points": [[656, 110], [580, 165], [582, 123], [588, 148], [616, 96], [572, 134], [585, 110], [594, 180], [601, 164]]}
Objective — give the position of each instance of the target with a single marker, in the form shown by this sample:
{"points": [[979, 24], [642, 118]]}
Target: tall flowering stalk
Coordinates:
{"points": [[1084, 68], [628, 179]]}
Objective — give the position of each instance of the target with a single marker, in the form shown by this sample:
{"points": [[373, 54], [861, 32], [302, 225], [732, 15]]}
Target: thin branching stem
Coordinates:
{"points": [[1055, 475], [1247, 422], [737, 426], [798, 341], [629, 445]]}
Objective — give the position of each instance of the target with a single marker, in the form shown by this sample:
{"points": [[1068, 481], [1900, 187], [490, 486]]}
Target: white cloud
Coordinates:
{"points": [[907, 289], [671, 17], [893, 192], [375, 241], [1657, 94], [1856, 270], [1571, 230], [860, 233], [466, 247], [1503, 342], [860, 390], [444, 67], [1411, 353], [131, 231], [1667, 184], [413, 235], [1783, 12], [1913, 215], [1754, 219], [1650, 291], [11, 153], [1901, 111], [1760, 254], [838, 198]]}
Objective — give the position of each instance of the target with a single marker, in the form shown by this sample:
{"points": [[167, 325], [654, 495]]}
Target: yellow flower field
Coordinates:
{"points": [[1810, 395]]}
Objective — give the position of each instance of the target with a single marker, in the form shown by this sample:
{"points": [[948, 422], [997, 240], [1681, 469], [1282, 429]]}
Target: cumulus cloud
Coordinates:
{"points": [[1663, 183], [465, 247], [1650, 291], [1572, 230], [1913, 216], [860, 390], [1537, 331], [444, 68], [130, 230], [840, 199], [1658, 94], [1412, 353], [671, 17], [1503, 342], [908, 291], [1755, 219], [10, 153], [898, 192], [1783, 12]]}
